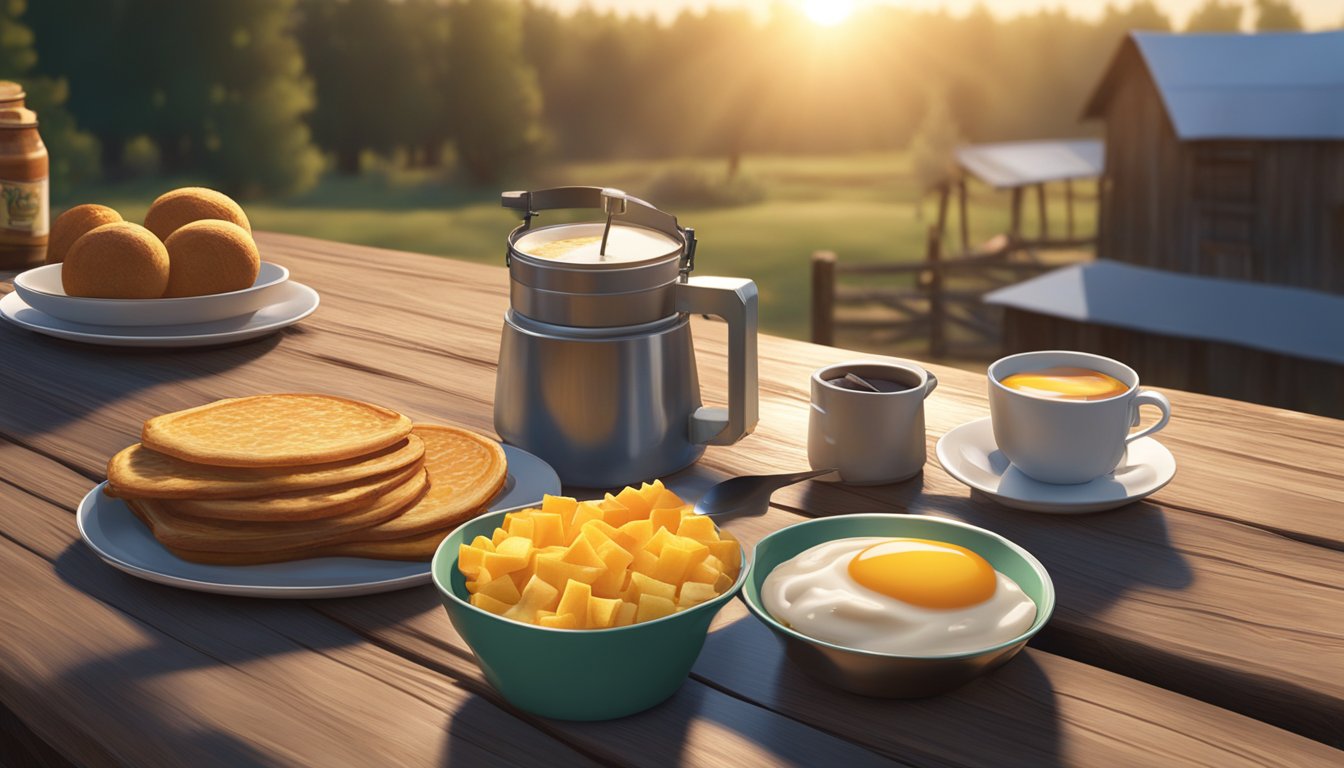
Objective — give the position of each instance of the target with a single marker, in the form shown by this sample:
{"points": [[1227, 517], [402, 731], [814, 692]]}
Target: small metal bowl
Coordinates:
{"points": [[890, 675]]}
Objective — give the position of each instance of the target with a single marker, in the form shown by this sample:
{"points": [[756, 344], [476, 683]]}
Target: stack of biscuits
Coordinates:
{"points": [[282, 477]]}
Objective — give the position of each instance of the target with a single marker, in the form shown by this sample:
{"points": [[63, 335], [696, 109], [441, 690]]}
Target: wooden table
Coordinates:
{"points": [[1202, 626]]}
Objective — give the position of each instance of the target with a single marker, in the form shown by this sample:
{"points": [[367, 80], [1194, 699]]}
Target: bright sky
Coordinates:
{"points": [[1318, 14]]}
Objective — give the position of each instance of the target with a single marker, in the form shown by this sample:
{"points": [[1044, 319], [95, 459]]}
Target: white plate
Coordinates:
{"points": [[109, 527], [970, 454], [292, 303], [41, 289]]}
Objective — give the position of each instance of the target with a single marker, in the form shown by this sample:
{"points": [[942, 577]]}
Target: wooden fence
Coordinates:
{"points": [[943, 305]]}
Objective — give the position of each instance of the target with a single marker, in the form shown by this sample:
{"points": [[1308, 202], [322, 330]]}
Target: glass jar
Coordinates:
{"points": [[24, 190]]}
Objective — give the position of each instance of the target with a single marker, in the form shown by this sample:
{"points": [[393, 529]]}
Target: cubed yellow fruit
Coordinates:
{"points": [[634, 556], [502, 589], [488, 603], [697, 527], [560, 621], [654, 607], [695, 593], [574, 600]]}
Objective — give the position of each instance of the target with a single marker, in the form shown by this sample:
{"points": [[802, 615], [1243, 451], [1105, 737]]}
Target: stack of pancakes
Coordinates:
{"points": [[284, 477]]}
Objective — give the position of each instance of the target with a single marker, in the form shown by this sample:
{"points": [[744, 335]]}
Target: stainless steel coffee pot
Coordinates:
{"points": [[596, 365]]}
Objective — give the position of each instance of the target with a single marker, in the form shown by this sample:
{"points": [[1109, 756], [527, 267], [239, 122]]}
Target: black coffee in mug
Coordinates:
{"points": [[881, 385]]}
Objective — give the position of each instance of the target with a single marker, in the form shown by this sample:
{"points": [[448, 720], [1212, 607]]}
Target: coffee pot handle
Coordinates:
{"points": [[734, 300]]}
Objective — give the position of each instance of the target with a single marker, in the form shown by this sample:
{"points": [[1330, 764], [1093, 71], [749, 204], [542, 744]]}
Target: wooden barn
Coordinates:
{"points": [[1225, 156], [1221, 242]]}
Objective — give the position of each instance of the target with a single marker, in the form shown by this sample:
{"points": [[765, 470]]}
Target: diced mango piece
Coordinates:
{"points": [[639, 531], [660, 537], [651, 491], [698, 527], [536, 596], [678, 557], [581, 552], [695, 593], [481, 542], [723, 582], [654, 607], [643, 585], [668, 500], [469, 560], [547, 529], [585, 511], [634, 504], [488, 603], [607, 531], [560, 621], [729, 552], [602, 612], [703, 573], [523, 527], [625, 615], [644, 562], [502, 589], [553, 570], [616, 560], [510, 555], [574, 600], [499, 535], [563, 506], [667, 517]]}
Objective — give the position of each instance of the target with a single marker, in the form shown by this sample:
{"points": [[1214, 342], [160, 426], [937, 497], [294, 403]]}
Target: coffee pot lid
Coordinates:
{"points": [[634, 231]]}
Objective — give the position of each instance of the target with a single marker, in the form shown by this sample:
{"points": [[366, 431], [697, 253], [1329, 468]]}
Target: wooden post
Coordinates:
{"points": [[1015, 224], [944, 192], [1068, 207], [1040, 210], [823, 297], [961, 216], [937, 308]]}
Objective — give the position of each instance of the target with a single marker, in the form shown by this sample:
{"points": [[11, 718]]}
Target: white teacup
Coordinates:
{"points": [[871, 438], [1057, 440]]}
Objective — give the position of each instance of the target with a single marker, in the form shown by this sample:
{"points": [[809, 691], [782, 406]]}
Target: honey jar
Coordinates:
{"points": [[24, 189]]}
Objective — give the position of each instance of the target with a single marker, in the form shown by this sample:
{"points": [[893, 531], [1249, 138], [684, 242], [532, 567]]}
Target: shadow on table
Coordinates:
{"points": [[54, 382], [186, 631]]}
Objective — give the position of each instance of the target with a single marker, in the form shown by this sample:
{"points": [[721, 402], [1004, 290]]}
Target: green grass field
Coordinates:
{"points": [[864, 207]]}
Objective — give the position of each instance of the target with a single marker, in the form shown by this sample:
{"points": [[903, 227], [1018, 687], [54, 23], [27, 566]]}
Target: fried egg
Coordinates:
{"points": [[914, 597]]}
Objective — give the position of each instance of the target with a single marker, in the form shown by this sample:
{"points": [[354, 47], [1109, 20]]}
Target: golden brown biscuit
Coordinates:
{"points": [[284, 430], [116, 261], [182, 206], [419, 547], [210, 256], [139, 473], [73, 224]]}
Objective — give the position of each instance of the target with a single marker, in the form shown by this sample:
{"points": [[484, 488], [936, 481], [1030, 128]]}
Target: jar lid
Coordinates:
{"points": [[581, 244], [11, 91], [18, 117]]}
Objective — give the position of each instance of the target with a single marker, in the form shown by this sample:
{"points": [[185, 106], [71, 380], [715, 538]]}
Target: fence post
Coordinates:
{"points": [[823, 297], [937, 307]]}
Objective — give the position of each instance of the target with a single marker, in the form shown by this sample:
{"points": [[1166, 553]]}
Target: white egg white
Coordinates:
{"points": [[814, 594]]}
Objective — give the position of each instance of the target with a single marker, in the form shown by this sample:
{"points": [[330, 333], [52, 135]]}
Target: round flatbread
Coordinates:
{"points": [[174, 529], [466, 470], [420, 547], [140, 473], [275, 431]]}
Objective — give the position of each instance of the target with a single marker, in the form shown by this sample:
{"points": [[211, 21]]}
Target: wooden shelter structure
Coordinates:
{"points": [[1222, 222], [1225, 156]]}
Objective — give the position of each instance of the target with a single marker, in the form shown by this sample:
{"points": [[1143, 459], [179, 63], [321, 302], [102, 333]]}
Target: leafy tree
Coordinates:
{"points": [[73, 154], [495, 100], [1276, 16], [1216, 16]]}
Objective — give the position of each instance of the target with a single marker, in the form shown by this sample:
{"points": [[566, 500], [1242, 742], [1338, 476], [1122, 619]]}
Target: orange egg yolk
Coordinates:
{"points": [[930, 574]]}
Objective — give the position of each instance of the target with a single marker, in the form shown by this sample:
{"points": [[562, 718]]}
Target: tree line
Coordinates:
{"points": [[252, 94]]}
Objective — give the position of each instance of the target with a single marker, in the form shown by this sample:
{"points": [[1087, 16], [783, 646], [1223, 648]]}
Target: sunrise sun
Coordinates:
{"points": [[828, 13]]}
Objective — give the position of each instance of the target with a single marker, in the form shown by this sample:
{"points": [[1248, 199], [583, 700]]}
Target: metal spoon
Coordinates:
{"points": [[748, 494]]}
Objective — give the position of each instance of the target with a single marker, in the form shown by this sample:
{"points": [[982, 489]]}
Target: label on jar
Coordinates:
{"points": [[24, 206]]}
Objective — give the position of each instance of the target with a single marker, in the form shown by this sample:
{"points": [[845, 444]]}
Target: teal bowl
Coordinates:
{"points": [[890, 675], [568, 674]]}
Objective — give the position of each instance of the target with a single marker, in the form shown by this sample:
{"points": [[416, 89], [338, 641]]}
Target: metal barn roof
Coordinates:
{"points": [[1290, 321], [1282, 85], [1020, 163]]}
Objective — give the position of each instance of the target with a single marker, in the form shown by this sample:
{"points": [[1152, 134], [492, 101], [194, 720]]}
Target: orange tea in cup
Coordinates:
{"points": [[1066, 383]]}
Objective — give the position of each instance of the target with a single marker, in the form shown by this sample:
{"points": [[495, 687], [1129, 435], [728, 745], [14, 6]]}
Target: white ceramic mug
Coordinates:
{"points": [[1062, 441], [871, 438]]}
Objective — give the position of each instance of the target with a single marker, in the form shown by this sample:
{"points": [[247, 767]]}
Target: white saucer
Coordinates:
{"points": [[970, 454], [111, 530], [293, 302]]}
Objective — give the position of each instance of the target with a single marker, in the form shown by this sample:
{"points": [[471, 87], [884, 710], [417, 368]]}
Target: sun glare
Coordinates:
{"points": [[828, 13]]}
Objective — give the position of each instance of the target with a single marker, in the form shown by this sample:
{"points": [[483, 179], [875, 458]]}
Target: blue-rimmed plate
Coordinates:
{"points": [[109, 527]]}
